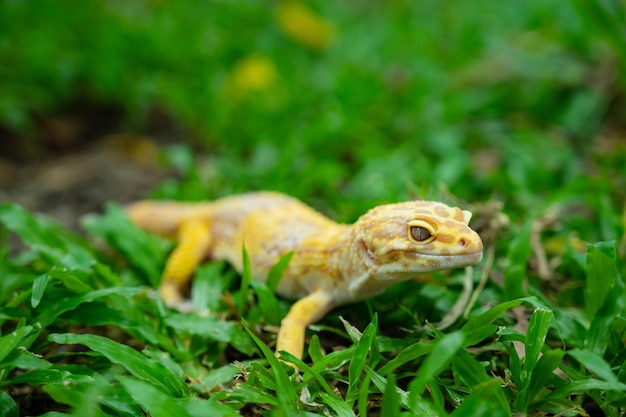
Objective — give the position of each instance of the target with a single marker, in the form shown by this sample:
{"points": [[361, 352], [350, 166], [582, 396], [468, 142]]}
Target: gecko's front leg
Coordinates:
{"points": [[304, 312], [193, 245]]}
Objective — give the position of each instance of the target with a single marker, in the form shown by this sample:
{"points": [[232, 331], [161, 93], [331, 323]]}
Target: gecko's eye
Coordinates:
{"points": [[419, 233]]}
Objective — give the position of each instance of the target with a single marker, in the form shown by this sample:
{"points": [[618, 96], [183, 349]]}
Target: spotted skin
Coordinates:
{"points": [[333, 264]]}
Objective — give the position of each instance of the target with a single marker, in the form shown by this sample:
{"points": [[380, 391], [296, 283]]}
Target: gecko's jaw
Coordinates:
{"points": [[463, 260], [407, 263]]}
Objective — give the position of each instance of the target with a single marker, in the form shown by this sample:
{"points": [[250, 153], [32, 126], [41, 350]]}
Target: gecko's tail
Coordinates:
{"points": [[161, 217]]}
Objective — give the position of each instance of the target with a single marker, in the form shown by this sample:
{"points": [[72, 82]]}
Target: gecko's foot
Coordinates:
{"points": [[171, 295]]}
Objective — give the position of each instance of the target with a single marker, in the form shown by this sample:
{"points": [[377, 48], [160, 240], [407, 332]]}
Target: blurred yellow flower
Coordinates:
{"points": [[303, 25], [556, 244], [253, 73]]}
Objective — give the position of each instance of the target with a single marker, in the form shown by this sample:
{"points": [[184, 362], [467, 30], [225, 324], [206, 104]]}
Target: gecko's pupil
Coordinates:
{"points": [[420, 234]]}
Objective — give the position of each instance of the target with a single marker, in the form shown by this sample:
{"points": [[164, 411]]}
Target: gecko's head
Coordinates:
{"points": [[398, 240]]}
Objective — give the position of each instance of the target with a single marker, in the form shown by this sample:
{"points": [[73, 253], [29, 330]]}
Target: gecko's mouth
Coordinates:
{"points": [[410, 263], [407, 260], [467, 259], [369, 255], [458, 260]]}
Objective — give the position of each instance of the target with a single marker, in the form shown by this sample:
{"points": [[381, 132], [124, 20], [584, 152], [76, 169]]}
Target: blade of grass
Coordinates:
{"points": [[441, 355], [51, 313], [479, 407], [166, 360], [351, 331], [21, 358], [391, 399], [77, 261], [250, 394], [364, 392], [267, 302], [207, 287], [143, 250], [39, 231], [286, 392], [47, 377], [601, 274], [535, 337], [604, 295], [333, 359], [358, 361], [517, 257], [546, 365], [583, 386], [515, 364], [208, 408], [383, 386], [81, 402], [341, 408], [315, 349], [8, 408], [211, 328], [473, 374], [74, 280], [11, 341], [219, 376], [478, 334], [307, 371], [604, 382], [406, 355], [134, 362], [155, 401], [494, 312], [219, 330], [595, 364], [423, 408], [278, 270], [246, 278], [39, 287]]}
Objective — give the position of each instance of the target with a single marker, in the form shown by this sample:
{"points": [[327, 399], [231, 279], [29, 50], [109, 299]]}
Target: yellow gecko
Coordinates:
{"points": [[333, 264]]}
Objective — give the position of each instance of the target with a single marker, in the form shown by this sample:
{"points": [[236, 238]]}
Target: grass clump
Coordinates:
{"points": [[90, 335]]}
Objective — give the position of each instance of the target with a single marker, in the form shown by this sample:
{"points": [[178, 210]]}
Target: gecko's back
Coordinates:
{"points": [[268, 223], [165, 217]]}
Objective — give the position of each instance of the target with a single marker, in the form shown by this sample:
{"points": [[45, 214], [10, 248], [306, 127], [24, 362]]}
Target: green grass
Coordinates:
{"points": [[60, 292], [513, 111]]}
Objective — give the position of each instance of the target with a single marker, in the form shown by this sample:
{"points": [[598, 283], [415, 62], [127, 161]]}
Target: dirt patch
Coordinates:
{"points": [[67, 185]]}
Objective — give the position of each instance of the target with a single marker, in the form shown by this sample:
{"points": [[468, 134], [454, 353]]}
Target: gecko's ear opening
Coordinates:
{"points": [[467, 215]]}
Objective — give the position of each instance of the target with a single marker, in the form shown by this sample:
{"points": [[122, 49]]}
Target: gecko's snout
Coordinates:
{"points": [[470, 244]]}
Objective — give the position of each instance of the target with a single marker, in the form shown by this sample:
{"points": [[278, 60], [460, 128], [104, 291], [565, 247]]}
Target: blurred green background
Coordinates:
{"points": [[364, 101]]}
